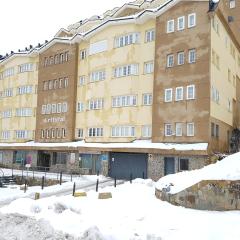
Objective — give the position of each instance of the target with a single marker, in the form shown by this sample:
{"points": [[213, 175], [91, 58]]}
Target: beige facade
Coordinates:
{"points": [[117, 78], [18, 101]]}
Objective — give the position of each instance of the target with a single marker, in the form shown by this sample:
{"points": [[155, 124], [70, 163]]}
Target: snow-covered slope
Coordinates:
{"points": [[227, 169]]}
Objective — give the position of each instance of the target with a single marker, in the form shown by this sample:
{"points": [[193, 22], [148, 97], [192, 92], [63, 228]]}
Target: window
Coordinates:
{"points": [[83, 54], [53, 133], [124, 101], [179, 129], [168, 130], [212, 129], [21, 134], [42, 133], [82, 80], [232, 3], [7, 114], [168, 95], [191, 92], [127, 70], [27, 67], [8, 92], [150, 35], [183, 164], [95, 132], [170, 26], [128, 39], [59, 108], [191, 20], [181, 23], [147, 99], [50, 84], [65, 82], [179, 94], [97, 76], [63, 132], [148, 67], [80, 133], [170, 60], [55, 84], [64, 107], [5, 135], [229, 105], [190, 129], [217, 130], [229, 75], [24, 90], [8, 72], [23, 112], [123, 131], [54, 108], [95, 104], [45, 85], [80, 107], [98, 47], [146, 131], [215, 95], [43, 109], [180, 57], [192, 56]]}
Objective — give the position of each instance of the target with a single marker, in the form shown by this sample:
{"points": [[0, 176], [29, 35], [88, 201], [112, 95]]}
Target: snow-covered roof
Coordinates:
{"points": [[138, 144]]}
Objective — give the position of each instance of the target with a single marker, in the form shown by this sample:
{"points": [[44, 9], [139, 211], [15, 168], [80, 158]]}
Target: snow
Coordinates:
{"points": [[135, 144], [226, 169], [134, 213], [13, 192]]}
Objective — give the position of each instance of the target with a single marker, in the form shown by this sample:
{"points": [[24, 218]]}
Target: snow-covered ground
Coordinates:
{"points": [[13, 192], [37, 174], [133, 213], [226, 169]]}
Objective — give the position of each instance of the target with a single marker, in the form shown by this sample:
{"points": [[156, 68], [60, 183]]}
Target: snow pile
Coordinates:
{"points": [[134, 213], [227, 169]]}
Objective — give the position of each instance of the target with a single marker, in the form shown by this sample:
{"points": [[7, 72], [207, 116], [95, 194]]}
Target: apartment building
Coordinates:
{"points": [[150, 88]]}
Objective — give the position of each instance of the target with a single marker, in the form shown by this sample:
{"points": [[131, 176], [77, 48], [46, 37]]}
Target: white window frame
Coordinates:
{"points": [[180, 58], [189, 20], [169, 22], [148, 97], [178, 23], [82, 80], [170, 90], [146, 131], [190, 134], [190, 51], [177, 98], [148, 67], [166, 129], [179, 126], [189, 87], [169, 62], [83, 54], [150, 35], [232, 4]]}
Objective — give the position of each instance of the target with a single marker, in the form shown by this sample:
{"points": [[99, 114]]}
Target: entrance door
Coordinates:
{"points": [[44, 160], [169, 165]]}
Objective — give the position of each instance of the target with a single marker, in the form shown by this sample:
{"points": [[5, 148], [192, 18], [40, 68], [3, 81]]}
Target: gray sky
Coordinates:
{"points": [[25, 22]]}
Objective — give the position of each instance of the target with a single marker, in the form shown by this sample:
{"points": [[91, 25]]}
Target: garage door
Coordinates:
{"points": [[122, 165]]}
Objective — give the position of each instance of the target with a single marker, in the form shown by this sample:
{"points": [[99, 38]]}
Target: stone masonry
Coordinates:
{"points": [[215, 195]]}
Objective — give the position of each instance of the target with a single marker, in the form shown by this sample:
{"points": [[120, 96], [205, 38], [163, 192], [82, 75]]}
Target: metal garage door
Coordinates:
{"points": [[122, 165]]}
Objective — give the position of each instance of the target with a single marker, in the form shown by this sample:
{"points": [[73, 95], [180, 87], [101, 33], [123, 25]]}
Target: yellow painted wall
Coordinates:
{"points": [[143, 83], [219, 77], [19, 101]]}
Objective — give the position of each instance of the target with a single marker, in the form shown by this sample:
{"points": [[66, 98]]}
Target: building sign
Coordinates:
{"points": [[54, 120]]}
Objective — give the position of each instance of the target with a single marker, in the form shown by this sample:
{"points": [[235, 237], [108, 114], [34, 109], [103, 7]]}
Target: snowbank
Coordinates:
{"points": [[227, 169], [134, 213]]}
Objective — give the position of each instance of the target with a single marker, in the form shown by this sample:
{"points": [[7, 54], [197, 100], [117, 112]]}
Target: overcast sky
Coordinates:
{"points": [[25, 22]]}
